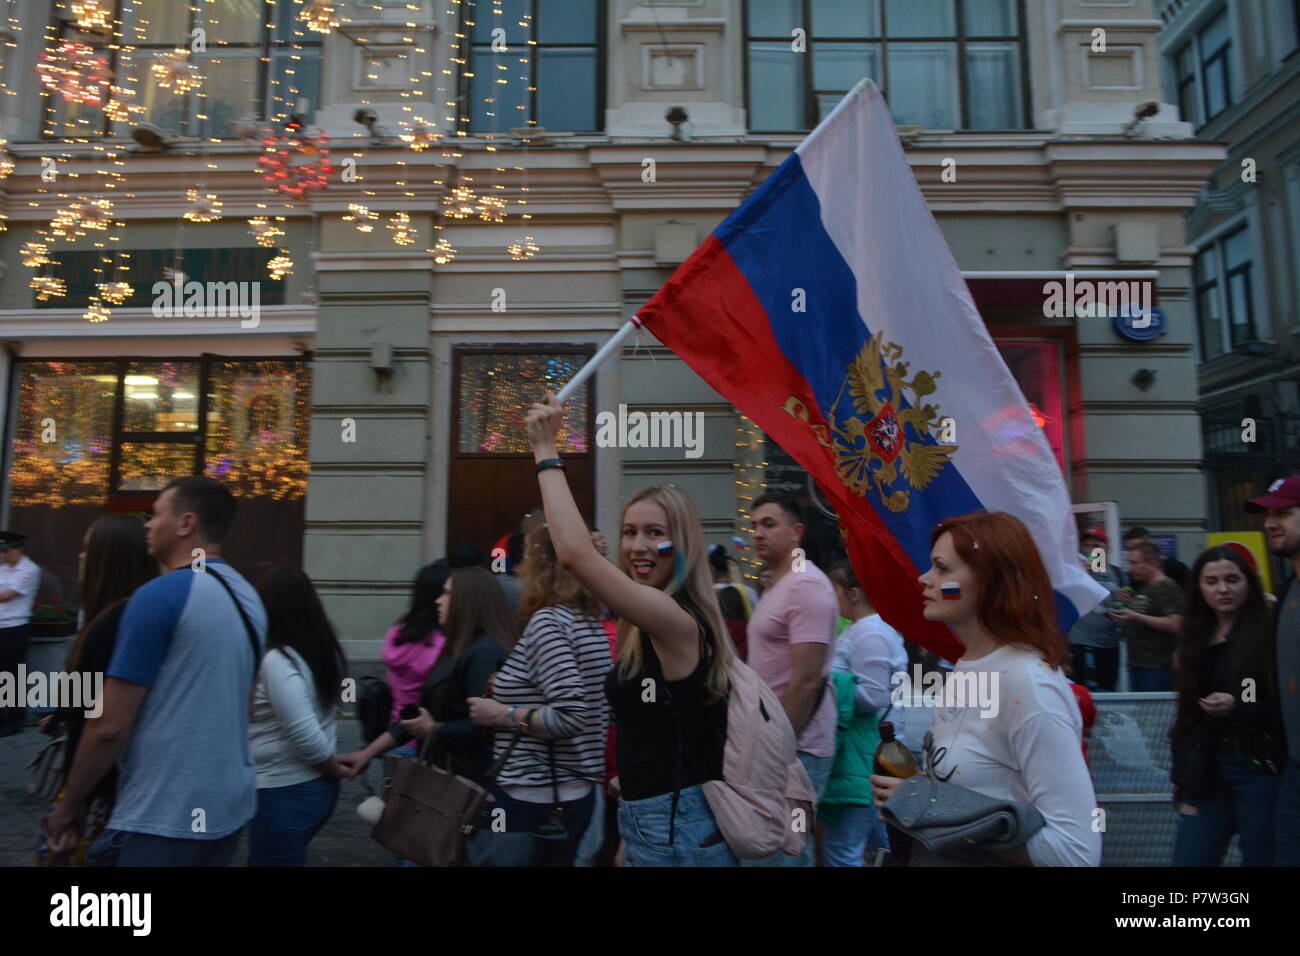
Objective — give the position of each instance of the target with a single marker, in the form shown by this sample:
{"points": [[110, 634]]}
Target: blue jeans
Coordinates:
{"points": [[1286, 845], [1148, 679], [287, 818], [819, 771], [859, 828], [124, 848], [520, 843], [697, 841], [1241, 802]]}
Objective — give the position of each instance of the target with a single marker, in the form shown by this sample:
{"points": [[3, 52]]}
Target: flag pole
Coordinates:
{"points": [[605, 352]]}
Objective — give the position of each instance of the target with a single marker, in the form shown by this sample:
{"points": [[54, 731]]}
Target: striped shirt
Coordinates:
{"points": [[558, 667]]}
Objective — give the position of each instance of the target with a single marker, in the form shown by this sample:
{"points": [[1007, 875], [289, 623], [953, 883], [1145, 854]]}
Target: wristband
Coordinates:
{"points": [[549, 463], [510, 715]]}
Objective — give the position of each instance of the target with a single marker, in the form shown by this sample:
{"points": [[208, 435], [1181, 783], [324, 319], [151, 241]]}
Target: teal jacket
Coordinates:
{"points": [[856, 739]]}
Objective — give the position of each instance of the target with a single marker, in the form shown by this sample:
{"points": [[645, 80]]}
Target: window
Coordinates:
{"points": [[942, 64], [1225, 312], [558, 85], [495, 390], [82, 270], [259, 59], [96, 436], [1203, 72]]}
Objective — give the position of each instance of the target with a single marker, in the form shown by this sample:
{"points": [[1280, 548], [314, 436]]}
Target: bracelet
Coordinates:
{"points": [[510, 715], [549, 463]]}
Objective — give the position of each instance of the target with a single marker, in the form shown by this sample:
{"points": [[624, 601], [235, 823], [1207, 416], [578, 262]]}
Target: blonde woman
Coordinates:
{"points": [[669, 685]]}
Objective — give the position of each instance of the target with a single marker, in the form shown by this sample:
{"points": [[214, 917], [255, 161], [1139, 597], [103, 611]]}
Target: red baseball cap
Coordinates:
{"points": [[1098, 534], [1283, 493]]}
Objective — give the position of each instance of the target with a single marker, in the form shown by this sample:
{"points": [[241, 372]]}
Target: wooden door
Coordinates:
{"points": [[491, 479]]}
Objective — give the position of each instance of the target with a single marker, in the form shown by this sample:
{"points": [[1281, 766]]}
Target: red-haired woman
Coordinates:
{"points": [[1021, 740]]}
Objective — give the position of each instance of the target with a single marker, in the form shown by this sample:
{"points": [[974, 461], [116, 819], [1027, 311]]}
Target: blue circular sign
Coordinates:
{"points": [[1138, 324]]}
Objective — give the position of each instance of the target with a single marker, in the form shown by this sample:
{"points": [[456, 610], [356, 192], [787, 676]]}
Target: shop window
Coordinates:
{"points": [[91, 437]]}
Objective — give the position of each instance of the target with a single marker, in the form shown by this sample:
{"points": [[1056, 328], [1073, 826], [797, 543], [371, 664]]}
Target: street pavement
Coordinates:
{"points": [[344, 840]]}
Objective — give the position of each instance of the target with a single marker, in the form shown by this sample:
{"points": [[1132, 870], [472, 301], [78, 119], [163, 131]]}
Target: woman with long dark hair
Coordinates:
{"points": [[551, 686], [292, 732], [413, 644], [1227, 739], [1024, 742], [114, 562], [671, 638], [479, 634]]}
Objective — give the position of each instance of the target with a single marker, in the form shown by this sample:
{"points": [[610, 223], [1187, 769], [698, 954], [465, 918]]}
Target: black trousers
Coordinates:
{"points": [[13, 651], [1105, 665]]}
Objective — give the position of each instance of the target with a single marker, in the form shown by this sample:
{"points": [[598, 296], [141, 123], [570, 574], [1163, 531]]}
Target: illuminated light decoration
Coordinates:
{"points": [[265, 233], [96, 312], [76, 71], [1039, 418], [174, 276], [35, 254], [443, 251], [282, 166], [492, 208], [115, 293], [280, 266], [92, 14], [460, 203], [318, 15], [420, 138], [203, 208], [400, 223], [361, 216], [522, 249], [48, 287], [66, 220], [117, 109], [97, 214], [174, 71], [6, 164]]}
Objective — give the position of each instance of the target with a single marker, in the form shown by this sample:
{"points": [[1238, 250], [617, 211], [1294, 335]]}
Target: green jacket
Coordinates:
{"points": [[856, 739]]}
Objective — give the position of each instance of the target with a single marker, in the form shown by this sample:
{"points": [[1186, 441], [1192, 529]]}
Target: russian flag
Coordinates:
{"points": [[829, 309]]}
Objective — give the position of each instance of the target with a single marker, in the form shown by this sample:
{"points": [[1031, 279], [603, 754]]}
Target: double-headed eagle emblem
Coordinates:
{"points": [[871, 444]]}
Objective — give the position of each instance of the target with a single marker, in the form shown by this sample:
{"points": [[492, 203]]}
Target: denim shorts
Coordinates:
{"points": [[697, 841]]}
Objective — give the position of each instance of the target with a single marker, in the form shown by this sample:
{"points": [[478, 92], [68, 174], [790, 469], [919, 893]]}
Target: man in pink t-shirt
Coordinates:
{"points": [[790, 641]]}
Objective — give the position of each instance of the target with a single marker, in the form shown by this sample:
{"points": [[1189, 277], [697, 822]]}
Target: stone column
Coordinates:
{"points": [[370, 433]]}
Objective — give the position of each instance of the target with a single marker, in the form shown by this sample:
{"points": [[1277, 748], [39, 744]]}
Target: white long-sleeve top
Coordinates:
{"points": [[873, 652], [290, 733], [1029, 750]]}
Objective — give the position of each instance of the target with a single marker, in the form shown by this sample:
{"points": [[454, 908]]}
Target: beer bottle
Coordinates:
{"points": [[892, 758]]}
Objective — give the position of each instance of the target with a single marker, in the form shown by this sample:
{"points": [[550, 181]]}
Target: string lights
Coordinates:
{"points": [[751, 479]]}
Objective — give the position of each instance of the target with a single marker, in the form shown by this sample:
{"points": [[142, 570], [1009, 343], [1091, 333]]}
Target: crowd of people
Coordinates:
{"points": [[611, 674]]}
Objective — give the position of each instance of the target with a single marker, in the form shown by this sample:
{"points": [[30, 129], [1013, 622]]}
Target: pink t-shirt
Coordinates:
{"points": [[408, 666], [799, 609]]}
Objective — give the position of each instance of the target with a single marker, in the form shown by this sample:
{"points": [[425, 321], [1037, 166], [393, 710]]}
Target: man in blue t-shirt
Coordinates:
{"points": [[176, 700]]}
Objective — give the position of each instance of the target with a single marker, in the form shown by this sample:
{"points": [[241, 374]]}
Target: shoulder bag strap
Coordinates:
{"points": [[475, 808], [248, 625]]}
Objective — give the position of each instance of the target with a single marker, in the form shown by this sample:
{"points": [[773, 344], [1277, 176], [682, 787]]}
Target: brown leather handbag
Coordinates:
{"points": [[430, 812]]}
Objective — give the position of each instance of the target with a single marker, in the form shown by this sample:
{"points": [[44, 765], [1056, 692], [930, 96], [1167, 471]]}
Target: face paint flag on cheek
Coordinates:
{"points": [[950, 590], [665, 548]]}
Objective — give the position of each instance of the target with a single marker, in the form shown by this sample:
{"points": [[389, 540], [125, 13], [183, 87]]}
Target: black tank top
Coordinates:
{"points": [[653, 719]]}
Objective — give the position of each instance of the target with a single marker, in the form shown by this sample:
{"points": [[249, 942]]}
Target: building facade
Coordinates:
{"points": [[1234, 68], [373, 408]]}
